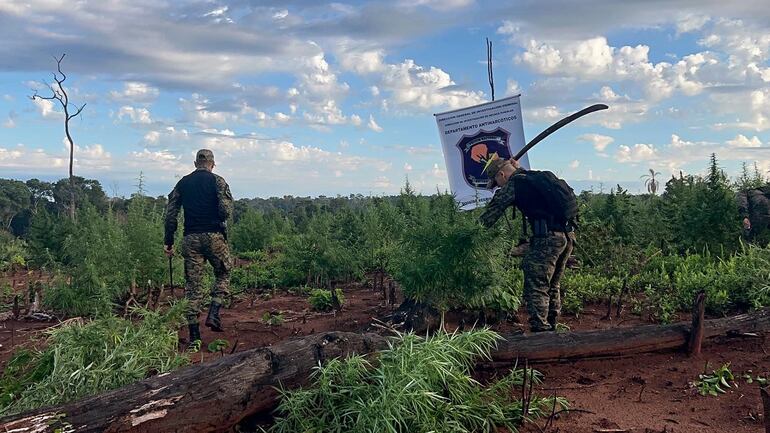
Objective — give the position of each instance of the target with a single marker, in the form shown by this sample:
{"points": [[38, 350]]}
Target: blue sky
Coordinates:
{"points": [[309, 98]]}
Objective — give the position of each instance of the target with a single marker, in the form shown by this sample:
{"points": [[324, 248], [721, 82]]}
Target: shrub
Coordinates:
{"points": [[446, 257], [322, 300], [419, 385]]}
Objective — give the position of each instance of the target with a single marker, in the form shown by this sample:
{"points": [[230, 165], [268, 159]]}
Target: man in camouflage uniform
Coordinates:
{"points": [[208, 205], [550, 247]]}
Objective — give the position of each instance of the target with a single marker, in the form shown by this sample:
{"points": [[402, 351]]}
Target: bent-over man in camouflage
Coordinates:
{"points": [[207, 204], [545, 201]]}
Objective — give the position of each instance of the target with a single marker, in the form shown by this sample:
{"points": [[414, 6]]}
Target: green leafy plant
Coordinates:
{"points": [[218, 345], [418, 385], [322, 299], [83, 358], [716, 382], [273, 319]]}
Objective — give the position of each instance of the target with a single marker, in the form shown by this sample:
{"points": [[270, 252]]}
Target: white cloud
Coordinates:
{"points": [[574, 164], [752, 109], [135, 92], [544, 114], [38, 160], [171, 136], [355, 120], [640, 152], [374, 90], [678, 143], [691, 22], [599, 142], [373, 125], [595, 60], [407, 166], [742, 141], [91, 158], [362, 61], [512, 87], [152, 137], [46, 109], [412, 86], [136, 115], [281, 14], [441, 5]]}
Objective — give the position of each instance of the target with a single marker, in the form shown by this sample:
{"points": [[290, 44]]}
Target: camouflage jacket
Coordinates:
{"points": [[504, 198], [207, 204]]}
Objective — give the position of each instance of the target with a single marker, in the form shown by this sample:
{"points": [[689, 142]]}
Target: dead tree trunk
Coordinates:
{"points": [[215, 396]]}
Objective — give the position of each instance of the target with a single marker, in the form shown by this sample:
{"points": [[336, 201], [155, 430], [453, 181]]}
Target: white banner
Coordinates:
{"points": [[469, 136]]}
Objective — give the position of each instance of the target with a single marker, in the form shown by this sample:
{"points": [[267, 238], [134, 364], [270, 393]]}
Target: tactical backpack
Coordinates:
{"points": [[542, 195]]}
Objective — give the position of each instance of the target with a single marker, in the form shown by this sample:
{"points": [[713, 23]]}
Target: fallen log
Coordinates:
{"points": [[210, 397], [215, 396], [622, 341]]}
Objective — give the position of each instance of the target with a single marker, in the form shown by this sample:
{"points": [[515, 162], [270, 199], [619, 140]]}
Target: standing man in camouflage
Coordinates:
{"points": [[208, 205], [550, 206]]}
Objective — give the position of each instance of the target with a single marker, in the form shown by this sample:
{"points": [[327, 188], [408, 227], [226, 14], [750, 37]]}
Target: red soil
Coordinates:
{"points": [[645, 393]]}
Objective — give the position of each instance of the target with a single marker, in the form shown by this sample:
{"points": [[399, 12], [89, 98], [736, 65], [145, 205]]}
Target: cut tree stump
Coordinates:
{"points": [[696, 328], [215, 396]]}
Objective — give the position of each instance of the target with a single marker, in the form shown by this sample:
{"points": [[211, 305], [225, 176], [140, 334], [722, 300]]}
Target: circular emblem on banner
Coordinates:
{"points": [[477, 149]]}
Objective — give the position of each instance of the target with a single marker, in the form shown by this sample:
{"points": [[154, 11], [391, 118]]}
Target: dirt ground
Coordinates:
{"points": [[643, 394]]}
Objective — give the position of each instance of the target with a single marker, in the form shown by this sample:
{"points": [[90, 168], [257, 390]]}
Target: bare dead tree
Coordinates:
{"points": [[58, 93]]}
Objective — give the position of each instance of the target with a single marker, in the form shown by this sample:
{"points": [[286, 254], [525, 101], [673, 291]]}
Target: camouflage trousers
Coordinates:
{"points": [[197, 249], [544, 266]]}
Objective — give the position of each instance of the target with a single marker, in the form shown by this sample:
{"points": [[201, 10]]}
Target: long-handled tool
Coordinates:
{"points": [[551, 129]]}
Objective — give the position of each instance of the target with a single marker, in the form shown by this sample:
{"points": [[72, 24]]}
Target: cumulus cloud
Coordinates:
{"points": [[168, 136], [91, 158], [742, 141], [135, 92], [362, 61], [414, 86], [598, 141], [47, 109], [638, 153], [574, 164], [135, 115]]}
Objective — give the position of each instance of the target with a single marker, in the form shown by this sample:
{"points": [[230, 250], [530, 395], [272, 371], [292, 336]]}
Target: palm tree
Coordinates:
{"points": [[650, 182]]}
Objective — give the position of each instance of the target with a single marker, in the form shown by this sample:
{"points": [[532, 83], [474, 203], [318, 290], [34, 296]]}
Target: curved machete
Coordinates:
{"points": [[557, 125]]}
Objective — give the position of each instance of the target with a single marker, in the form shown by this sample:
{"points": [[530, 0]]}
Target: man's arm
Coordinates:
{"points": [[502, 200], [171, 219], [225, 199]]}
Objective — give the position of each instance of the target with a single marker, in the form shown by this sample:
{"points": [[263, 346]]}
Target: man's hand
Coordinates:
{"points": [[515, 163], [169, 250]]}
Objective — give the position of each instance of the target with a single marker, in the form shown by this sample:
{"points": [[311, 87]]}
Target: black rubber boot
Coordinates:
{"points": [[195, 336], [212, 320]]}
